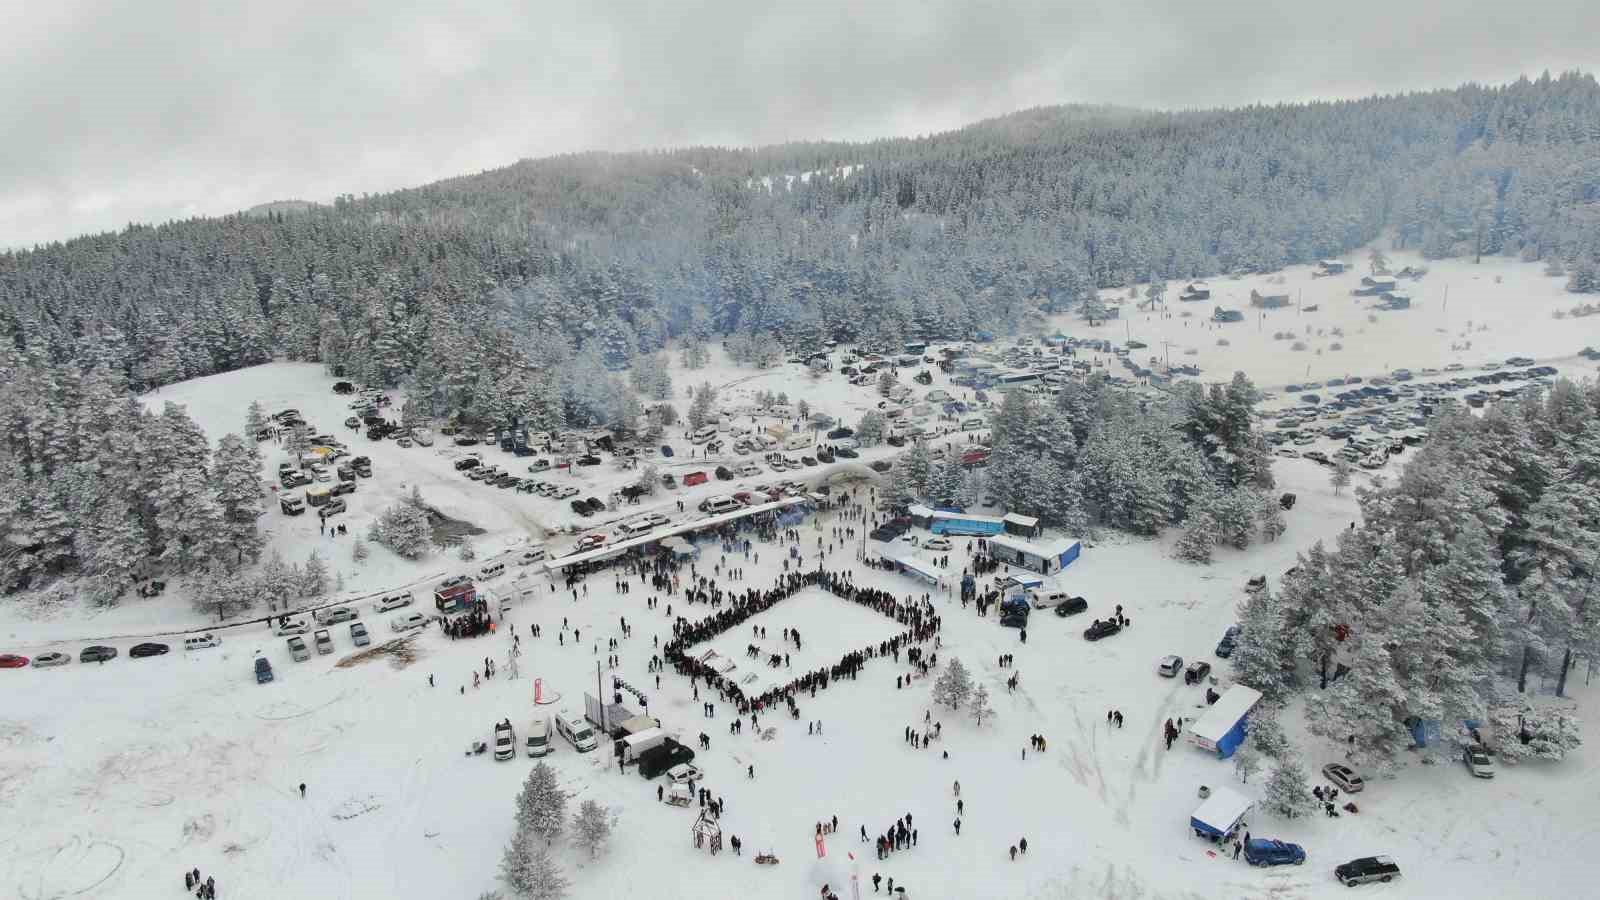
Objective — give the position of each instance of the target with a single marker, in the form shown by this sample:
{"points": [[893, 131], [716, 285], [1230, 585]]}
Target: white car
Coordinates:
{"points": [[408, 622], [1170, 666], [656, 520], [683, 773], [908, 539], [1478, 761], [937, 543], [568, 491], [293, 626], [46, 660]]}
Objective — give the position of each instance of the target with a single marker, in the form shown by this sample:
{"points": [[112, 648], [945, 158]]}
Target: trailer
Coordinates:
{"points": [[1224, 725], [455, 598]]}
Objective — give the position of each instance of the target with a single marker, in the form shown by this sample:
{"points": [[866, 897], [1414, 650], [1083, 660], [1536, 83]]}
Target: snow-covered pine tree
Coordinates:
{"points": [[1198, 538], [255, 421], [542, 804], [1266, 733], [404, 529], [545, 881], [1246, 762], [870, 430], [314, 577], [1262, 656], [954, 685], [1365, 711], [592, 826], [236, 479], [980, 705], [886, 382], [1339, 476], [189, 520], [1288, 789], [1269, 516]]}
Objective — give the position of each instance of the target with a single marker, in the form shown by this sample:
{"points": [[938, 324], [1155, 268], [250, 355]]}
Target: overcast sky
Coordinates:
{"points": [[118, 111]]}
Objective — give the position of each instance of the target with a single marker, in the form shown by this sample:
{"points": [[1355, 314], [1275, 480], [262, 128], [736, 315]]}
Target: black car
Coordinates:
{"points": [[97, 653], [1365, 869], [1197, 672], [595, 505], [841, 432], [1102, 628], [1230, 639], [845, 453], [1072, 606], [880, 465], [662, 757], [1014, 620], [469, 463], [342, 487], [724, 473], [588, 460], [140, 651], [465, 440], [581, 508]]}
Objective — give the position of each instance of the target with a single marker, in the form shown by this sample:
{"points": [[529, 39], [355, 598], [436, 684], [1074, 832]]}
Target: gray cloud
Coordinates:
{"points": [[120, 111]]}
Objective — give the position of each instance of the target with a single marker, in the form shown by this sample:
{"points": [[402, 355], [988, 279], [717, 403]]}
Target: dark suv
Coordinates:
{"points": [[1365, 869], [1102, 628]]}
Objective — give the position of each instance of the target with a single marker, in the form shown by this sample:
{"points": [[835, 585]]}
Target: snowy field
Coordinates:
{"points": [[120, 776]]}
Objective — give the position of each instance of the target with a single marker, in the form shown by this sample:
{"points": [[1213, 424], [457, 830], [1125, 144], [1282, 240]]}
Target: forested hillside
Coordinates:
{"points": [[517, 293]]}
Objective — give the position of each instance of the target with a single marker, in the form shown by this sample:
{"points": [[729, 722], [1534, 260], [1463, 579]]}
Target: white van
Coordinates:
{"points": [[703, 435], [201, 642], [539, 738], [393, 601], [576, 732], [971, 424], [797, 441], [491, 571], [716, 506], [533, 554], [633, 529]]}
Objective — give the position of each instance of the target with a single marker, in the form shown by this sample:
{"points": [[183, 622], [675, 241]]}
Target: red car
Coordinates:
{"points": [[591, 541], [12, 661]]}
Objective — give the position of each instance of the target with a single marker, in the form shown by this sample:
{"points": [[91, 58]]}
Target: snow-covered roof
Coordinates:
{"points": [[1022, 520], [1223, 809], [609, 550], [921, 568], [1041, 549], [920, 511], [1225, 713]]}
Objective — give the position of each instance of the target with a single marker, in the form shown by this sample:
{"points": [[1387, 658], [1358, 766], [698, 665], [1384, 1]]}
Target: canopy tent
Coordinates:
{"points": [[916, 568]]}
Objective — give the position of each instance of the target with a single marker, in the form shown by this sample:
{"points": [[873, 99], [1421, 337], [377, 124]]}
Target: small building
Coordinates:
{"points": [[1022, 526], [1044, 558], [1331, 266], [1223, 727], [1195, 290], [1226, 315], [1266, 301], [1396, 300], [1375, 286], [680, 548], [455, 598], [1219, 816]]}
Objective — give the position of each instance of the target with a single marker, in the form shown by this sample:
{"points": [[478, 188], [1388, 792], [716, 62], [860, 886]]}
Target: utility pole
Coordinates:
{"points": [[600, 692]]}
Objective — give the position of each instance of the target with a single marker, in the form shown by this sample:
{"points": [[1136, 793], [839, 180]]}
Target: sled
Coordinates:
{"points": [[477, 747], [766, 859]]}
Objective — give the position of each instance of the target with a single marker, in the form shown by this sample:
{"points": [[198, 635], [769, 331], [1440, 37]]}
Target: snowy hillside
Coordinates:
{"points": [[130, 771]]}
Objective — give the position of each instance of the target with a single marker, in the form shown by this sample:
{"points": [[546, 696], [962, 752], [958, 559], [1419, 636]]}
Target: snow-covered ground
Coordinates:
{"points": [[119, 776]]}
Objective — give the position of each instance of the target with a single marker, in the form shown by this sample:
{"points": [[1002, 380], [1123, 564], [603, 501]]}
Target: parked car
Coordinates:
{"points": [[1478, 760], [1343, 777], [393, 602], [1102, 628], [359, 635], [470, 462], [12, 661], [408, 622], [202, 642], [324, 641], [334, 507], [1072, 606], [97, 653], [1170, 666], [1365, 869], [1261, 852], [1197, 672], [684, 773], [50, 659], [581, 508], [1230, 639], [293, 626], [939, 543]]}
